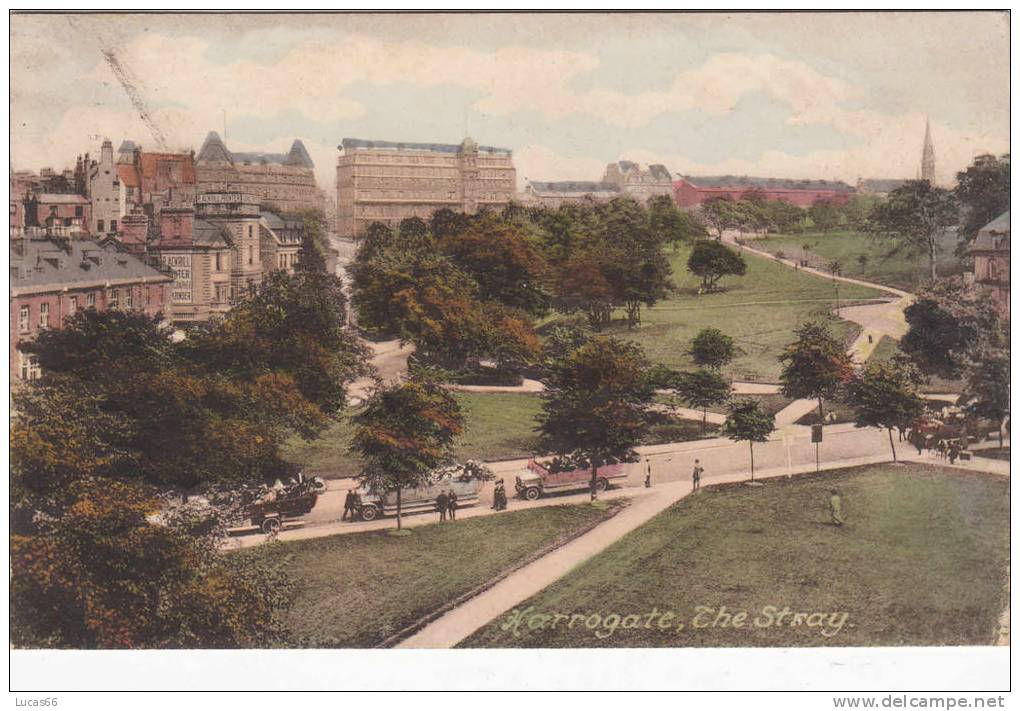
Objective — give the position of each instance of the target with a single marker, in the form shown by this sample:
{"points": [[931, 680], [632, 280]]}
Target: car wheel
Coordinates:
{"points": [[368, 513], [271, 526], [532, 493], [601, 484]]}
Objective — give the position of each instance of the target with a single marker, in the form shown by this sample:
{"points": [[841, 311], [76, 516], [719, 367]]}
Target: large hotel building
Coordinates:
{"points": [[382, 181]]}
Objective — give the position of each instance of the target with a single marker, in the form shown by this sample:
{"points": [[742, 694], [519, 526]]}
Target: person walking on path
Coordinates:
{"points": [[350, 505], [696, 475], [451, 504], [835, 508], [954, 452], [442, 504], [648, 474]]}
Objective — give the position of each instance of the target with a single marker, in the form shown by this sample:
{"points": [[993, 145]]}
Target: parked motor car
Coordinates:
{"points": [[538, 480], [373, 504]]}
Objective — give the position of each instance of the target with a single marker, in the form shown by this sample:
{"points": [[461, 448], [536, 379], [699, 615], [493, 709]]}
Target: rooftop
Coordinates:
{"points": [[215, 150], [748, 182], [573, 187], [53, 262], [360, 143]]}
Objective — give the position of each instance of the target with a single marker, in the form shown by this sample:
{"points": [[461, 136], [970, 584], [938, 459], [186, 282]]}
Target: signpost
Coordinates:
{"points": [[816, 437]]}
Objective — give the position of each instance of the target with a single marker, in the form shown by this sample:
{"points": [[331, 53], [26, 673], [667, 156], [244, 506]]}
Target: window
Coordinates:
{"points": [[90, 301], [251, 255], [79, 211], [29, 366], [99, 225], [130, 298], [44, 315], [221, 293], [249, 231], [219, 262], [24, 319], [72, 306], [113, 225], [113, 301]]}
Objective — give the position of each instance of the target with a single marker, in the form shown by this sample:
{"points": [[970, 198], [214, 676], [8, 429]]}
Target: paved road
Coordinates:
{"points": [[789, 449]]}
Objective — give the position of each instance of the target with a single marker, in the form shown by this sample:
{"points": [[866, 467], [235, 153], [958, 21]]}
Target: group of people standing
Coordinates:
{"points": [[944, 449], [446, 505]]}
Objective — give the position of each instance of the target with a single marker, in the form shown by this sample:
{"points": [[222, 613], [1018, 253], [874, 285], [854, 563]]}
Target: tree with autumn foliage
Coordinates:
{"points": [[405, 433], [816, 365], [593, 408]]}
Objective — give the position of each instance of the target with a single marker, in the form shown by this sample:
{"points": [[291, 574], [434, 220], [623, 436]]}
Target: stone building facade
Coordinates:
{"points": [[990, 251], [383, 181], [102, 188], [52, 277], [642, 185], [279, 242], [282, 181], [238, 215], [554, 194], [150, 181]]}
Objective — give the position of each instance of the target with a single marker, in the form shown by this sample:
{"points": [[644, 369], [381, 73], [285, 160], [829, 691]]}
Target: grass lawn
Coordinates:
{"points": [[356, 590], [901, 270], [921, 560], [759, 310], [496, 426]]}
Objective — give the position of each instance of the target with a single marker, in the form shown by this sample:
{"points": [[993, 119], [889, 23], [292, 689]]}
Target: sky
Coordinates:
{"points": [[814, 95]]}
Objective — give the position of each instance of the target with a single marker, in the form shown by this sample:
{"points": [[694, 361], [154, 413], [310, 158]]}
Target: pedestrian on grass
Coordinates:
{"points": [[451, 504], [696, 475], [350, 505], [835, 508], [442, 504]]}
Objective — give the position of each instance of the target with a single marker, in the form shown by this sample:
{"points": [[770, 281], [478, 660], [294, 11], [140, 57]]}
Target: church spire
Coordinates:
{"points": [[928, 155]]}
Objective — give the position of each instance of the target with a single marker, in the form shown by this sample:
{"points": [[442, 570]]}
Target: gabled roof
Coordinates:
{"points": [[993, 237], [147, 170], [206, 234], [215, 150]]}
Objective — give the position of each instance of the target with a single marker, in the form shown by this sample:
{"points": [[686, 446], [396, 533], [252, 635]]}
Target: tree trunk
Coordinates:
{"points": [[931, 258], [821, 411], [398, 507], [750, 443], [593, 482], [704, 419], [1000, 434], [892, 444]]}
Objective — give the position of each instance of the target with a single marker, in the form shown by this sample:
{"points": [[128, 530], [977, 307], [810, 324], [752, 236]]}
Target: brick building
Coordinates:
{"points": [[52, 277], [56, 210], [149, 181], [554, 194], [281, 181], [383, 181], [695, 190], [990, 251], [642, 185]]}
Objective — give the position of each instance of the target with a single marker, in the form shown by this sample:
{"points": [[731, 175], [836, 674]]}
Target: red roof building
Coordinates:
{"points": [[689, 191]]}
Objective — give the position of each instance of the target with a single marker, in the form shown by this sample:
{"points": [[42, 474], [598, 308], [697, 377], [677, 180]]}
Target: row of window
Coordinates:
{"points": [[101, 223], [88, 301]]}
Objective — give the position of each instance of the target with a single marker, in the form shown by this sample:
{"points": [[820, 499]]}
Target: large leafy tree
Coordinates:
{"points": [[712, 261], [712, 349], [721, 214], [701, 389], [816, 365], [883, 396], [784, 216], [987, 386], [825, 213], [405, 434], [748, 422], [672, 225], [948, 321], [915, 216], [102, 575], [593, 409], [506, 265], [983, 193]]}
